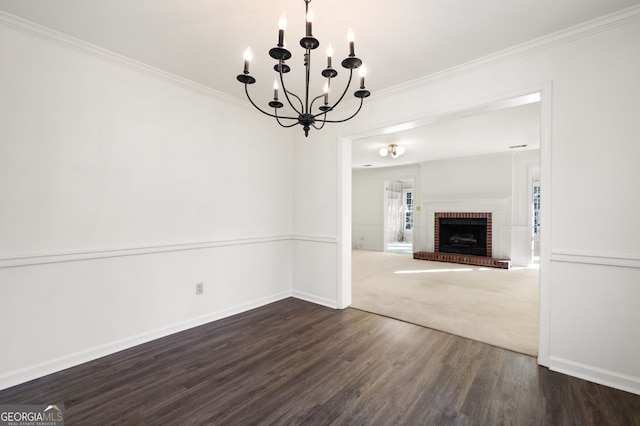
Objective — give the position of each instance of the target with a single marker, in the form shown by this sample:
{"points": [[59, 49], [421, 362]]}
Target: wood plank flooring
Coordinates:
{"points": [[293, 362]]}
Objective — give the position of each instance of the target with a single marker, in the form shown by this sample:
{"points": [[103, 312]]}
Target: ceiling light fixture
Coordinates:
{"points": [[393, 149], [305, 115]]}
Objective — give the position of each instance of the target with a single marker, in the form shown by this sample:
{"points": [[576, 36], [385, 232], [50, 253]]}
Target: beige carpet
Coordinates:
{"points": [[494, 306]]}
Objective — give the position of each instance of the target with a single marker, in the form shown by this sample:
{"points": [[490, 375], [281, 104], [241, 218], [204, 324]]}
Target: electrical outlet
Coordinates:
{"points": [[199, 288]]}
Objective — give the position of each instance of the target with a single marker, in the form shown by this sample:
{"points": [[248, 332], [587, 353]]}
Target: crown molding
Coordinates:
{"points": [[568, 35], [41, 32], [549, 41]]}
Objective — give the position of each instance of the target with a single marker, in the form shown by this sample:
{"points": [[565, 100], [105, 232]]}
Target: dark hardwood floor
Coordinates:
{"points": [[293, 362]]}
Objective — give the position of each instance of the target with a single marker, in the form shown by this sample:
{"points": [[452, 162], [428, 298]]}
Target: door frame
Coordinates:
{"points": [[344, 147]]}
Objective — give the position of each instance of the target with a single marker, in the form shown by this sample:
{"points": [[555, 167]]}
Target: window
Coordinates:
{"points": [[536, 209], [408, 214]]}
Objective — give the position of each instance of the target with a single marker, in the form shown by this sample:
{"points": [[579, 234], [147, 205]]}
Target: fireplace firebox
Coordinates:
{"points": [[464, 233], [467, 236]]}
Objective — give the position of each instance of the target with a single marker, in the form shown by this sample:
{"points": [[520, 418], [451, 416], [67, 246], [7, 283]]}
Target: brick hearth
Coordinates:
{"points": [[465, 259]]}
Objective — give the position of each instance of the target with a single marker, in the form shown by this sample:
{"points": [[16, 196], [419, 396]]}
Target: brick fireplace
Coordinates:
{"points": [[467, 239]]}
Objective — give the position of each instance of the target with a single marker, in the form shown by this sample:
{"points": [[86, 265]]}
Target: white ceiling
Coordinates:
{"points": [[399, 41], [512, 127]]}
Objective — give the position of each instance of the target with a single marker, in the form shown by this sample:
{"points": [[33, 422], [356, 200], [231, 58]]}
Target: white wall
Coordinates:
{"points": [[120, 188], [497, 184], [470, 184], [315, 255], [588, 78], [368, 203]]}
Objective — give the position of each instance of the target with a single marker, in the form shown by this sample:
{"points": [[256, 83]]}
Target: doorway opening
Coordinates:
{"points": [[398, 216], [519, 232]]}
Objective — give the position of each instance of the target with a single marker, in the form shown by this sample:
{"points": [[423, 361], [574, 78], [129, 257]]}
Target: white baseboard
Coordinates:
{"points": [[315, 299], [596, 375], [14, 378]]}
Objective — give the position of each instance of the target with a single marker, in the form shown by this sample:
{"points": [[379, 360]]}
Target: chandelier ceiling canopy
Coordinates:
{"points": [[303, 110]]}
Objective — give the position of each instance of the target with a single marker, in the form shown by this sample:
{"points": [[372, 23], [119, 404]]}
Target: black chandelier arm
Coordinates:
{"points": [[287, 93], [246, 90], [291, 105], [315, 99], [346, 119], [277, 117], [322, 121], [340, 99]]}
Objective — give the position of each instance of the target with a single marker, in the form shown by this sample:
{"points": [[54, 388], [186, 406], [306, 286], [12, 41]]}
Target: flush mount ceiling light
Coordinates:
{"points": [[393, 149], [303, 113]]}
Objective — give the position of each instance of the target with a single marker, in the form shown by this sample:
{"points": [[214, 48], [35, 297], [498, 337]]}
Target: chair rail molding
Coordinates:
{"points": [[38, 259]]}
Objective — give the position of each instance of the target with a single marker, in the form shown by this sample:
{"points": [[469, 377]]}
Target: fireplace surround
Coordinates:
{"points": [[463, 237], [464, 233]]}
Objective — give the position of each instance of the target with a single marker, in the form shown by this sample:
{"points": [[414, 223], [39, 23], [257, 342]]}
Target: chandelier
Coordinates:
{"points": [[303, 112], [394, 149]]}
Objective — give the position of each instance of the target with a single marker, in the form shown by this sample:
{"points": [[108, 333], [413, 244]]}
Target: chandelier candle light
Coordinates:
{"points": [[305, 114]]}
